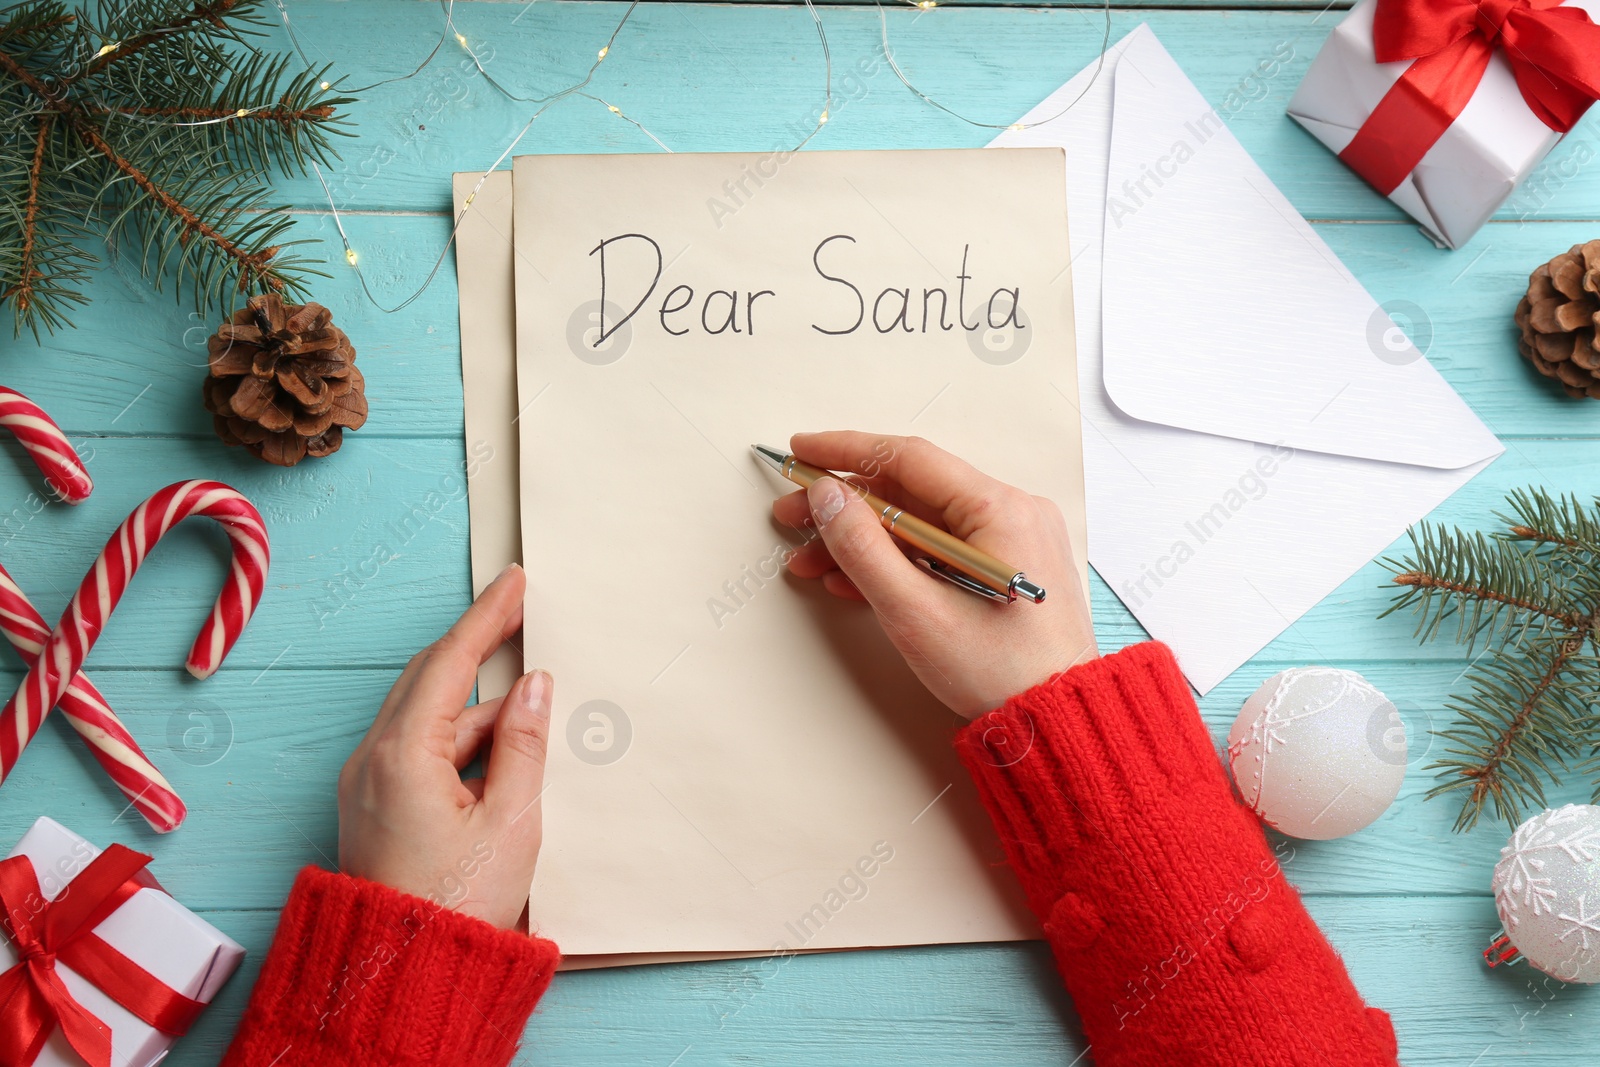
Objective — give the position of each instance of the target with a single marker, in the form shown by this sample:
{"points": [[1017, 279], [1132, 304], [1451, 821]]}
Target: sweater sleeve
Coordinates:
{"points": [[1171, 922], [361, 975]]}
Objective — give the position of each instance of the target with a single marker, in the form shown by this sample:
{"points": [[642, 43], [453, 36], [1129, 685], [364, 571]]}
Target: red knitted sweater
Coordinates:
{"points": [[1179, 939]]}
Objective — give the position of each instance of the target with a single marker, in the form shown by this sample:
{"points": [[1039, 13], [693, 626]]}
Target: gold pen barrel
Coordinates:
{"points": [[939, 544]]}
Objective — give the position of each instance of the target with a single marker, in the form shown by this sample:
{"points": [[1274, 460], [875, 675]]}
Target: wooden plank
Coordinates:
{"points": [[369, 549], [134, 364], [257, 755], [1416, 957], [370, 554], [134, 361], [751, 77]]}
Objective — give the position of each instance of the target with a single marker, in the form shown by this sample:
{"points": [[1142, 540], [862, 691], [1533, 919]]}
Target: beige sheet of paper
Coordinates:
{"points": [[489, 391], [488, 371], [778, 745]]}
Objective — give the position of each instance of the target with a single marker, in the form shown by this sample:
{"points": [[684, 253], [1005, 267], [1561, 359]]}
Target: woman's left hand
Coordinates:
{"points": [[406, 817]]}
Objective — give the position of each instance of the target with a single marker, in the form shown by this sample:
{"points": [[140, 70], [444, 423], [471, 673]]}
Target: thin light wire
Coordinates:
{"points": [[888, 54], [617, 111], [816, 18], [578, 89], [545, 103], [123, 113], [827, 85], [444, 35]]}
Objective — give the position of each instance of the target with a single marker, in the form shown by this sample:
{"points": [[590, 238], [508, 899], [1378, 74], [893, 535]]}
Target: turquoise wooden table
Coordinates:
{"points": [[354, 590]]}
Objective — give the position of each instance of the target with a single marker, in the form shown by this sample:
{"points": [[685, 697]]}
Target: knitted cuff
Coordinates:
{"points": [[1067, 764], [362, 974], [1172, 924]]}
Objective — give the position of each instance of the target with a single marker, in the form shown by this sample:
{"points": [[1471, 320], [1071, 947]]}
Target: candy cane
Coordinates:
{"points": [[68, 646], [89, 714], [47, 446]]}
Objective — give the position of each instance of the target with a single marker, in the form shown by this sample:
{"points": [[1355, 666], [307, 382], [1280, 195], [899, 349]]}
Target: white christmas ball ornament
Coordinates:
{"points": [[1318, 752], [1547, 891]]}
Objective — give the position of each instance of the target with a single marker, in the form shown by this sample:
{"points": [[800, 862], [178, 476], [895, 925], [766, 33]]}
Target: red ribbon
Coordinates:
{"points": [[33, 999], [1553, 51]]}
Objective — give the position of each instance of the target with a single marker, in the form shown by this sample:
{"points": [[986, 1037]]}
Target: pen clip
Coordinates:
{"points": [[955, 577]]}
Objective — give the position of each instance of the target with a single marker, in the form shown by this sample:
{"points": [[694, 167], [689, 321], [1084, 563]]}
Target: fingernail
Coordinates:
{"points": [[537, 692], [501, 576], [826, 497]]}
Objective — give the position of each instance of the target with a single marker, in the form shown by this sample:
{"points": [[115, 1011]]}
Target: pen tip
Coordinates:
{"points": [[773, 457]]}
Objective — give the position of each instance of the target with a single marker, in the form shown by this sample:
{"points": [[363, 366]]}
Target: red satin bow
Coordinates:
{"points": [[33, 999], [1553, 51]]}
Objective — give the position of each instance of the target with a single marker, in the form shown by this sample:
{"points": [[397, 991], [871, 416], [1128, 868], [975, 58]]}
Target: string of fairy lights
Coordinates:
{"points": [[543, 103], [580, 88]]}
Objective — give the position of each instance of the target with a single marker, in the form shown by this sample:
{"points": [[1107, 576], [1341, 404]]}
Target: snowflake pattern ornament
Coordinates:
{"points": [[1318, 752], [1547, 893]]}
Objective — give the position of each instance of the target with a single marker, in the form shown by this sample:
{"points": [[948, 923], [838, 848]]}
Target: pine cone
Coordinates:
{"points": [[283, 381], [1560, 320]]}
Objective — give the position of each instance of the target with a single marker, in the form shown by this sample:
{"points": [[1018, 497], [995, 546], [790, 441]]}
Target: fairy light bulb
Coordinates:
{"points": [[604, 50], [461, 40], [927, 5], [350, 256], [1015, 126], [325, 85], [107, 49], [824, 117], [614, 109], [241, 113]]}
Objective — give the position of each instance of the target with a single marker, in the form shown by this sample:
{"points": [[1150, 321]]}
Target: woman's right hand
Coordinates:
{"points": [[972, 653]]}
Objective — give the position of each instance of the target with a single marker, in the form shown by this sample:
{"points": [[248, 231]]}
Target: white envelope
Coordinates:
{"points": [[1256, 428]]}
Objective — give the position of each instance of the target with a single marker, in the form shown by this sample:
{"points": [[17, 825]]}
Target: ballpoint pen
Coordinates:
{"points": [[948, 556]]}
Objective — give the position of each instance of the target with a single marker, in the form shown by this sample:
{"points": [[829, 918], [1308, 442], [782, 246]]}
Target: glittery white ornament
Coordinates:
{"points": [[1318, 752], [1547, 891]]}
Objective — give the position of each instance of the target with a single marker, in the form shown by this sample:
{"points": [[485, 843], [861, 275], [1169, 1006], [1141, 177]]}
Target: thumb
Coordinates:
{"points": [[862, 548], [515, 775]]}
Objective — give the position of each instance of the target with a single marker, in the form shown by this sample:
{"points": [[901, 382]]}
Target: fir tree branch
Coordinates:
{"points": [[36, 27], [202, 13], [1560, 522], [1529, 713], [254, 267], [165, 124], [1488, 777], [1489, 584], [34, 18], [1546, 537], [1480, 592], [25, 76], [260, 114], [22, 290]]}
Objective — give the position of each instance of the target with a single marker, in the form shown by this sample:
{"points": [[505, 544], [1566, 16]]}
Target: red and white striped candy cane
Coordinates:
{"points": [[47, 446], [88, 713], [80, 626]]}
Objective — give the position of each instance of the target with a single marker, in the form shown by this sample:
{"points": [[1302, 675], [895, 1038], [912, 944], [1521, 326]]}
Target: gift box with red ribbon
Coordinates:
{"points": [[1445, 106], [98, 964]]}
